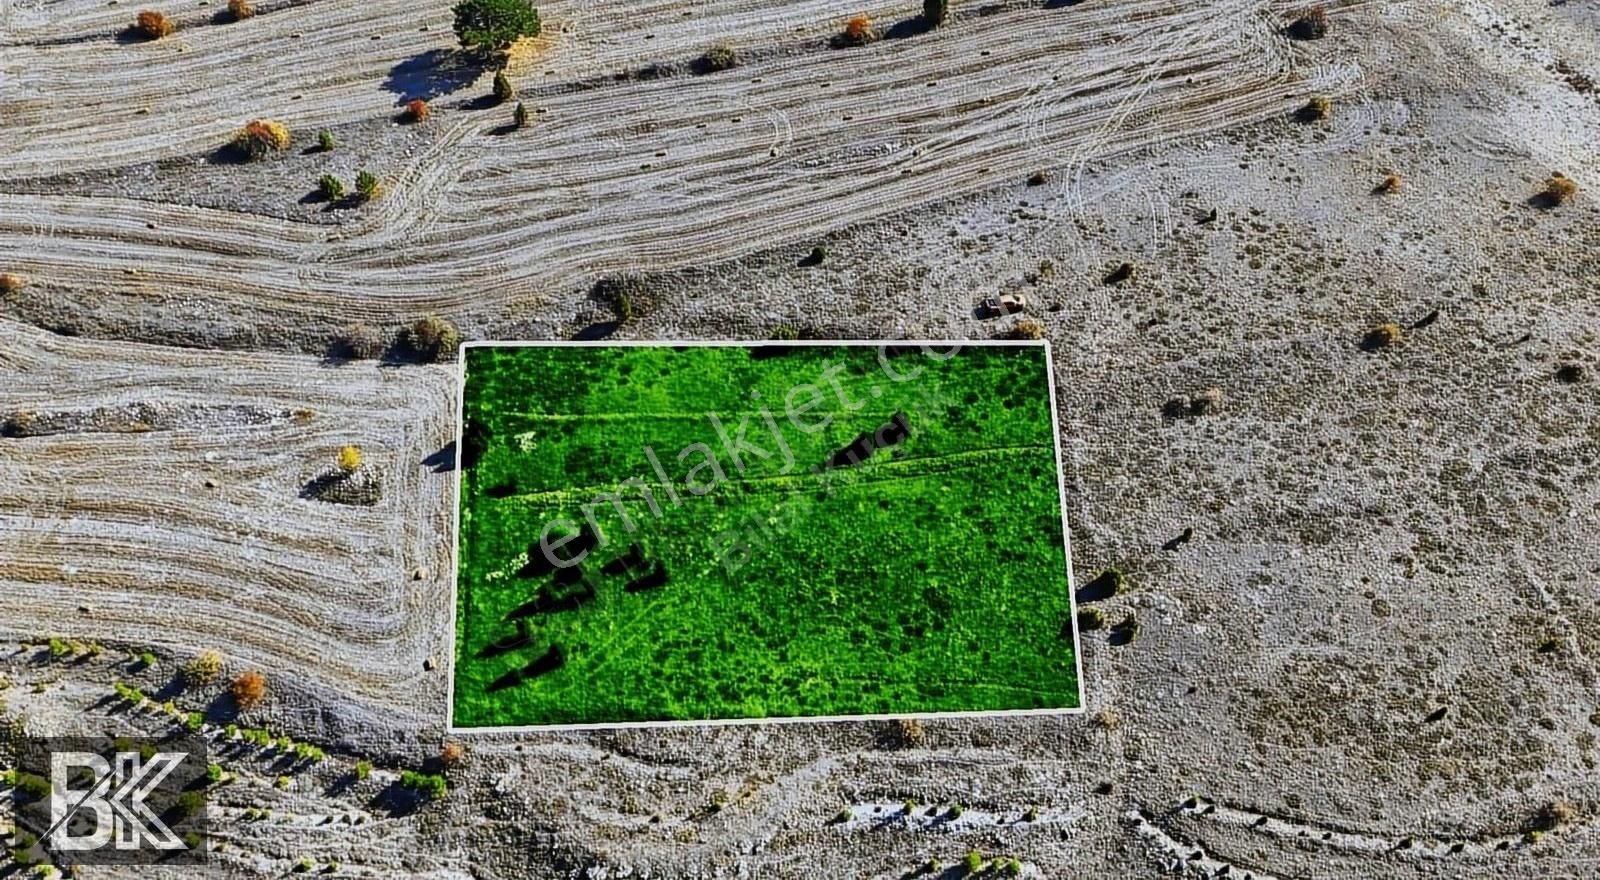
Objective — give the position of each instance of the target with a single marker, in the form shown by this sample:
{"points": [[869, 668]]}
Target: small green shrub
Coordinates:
{"points": [[503, 90], [332, 188], [214, 773], [363, 769], [935, 12], [36, 787], [367, 185], [520, 117], [429, 785], [973, 863]]}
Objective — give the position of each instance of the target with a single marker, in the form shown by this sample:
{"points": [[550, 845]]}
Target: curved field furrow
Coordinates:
{"points": [[776, 151], [196, 536]]}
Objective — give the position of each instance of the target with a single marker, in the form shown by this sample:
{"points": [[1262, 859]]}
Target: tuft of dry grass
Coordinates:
{"points": [[249, 689], [359, 341], [1027, 328], [153, 25], [1107, 718], [203, 669], [260, 137], [241, 9], [1392, 183], [1318, 108], [417, 110], [1559, 189], [452, 753], [434, 338], [1207, 402], [722, 55], [1382, 336], [908, 733]]}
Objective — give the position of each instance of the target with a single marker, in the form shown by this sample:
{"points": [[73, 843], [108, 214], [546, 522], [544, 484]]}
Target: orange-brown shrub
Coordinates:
{"points": [[417, 110], [858, 29], [1559, 189], [240, 9], [153, 25], [249, 689], [262, 136]]}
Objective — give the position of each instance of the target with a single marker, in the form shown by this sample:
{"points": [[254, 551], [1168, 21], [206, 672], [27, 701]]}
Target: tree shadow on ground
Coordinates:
{"points": [[433, 73], [443, 461], [597, 331], [907, 27], [1100, 589]]}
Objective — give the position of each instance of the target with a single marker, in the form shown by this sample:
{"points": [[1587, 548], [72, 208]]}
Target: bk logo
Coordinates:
{"points": [[115, 794]]}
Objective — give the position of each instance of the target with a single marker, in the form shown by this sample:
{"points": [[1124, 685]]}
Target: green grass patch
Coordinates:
{"points": [[772, 579]]}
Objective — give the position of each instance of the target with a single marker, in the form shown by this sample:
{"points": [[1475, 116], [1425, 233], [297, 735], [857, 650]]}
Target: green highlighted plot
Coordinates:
{"points": [[660, 533]]}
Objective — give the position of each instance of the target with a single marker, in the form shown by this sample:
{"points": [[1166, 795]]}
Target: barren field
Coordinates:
{"points": [[1326, 355]]}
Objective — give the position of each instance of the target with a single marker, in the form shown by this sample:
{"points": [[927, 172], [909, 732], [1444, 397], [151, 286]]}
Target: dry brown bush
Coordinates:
{"points": [[153, 25], [249, 689]]}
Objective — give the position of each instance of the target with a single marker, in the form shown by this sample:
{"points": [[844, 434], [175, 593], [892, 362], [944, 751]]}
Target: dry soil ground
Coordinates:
{"points": [[1378, 656]]}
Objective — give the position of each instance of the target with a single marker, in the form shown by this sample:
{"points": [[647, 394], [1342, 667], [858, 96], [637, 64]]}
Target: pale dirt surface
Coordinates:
{"points": [[1377, 657]]}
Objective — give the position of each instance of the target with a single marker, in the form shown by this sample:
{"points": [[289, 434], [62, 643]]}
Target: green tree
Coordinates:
{"points": [[934, 12], [520, 118], [495, 24]]}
